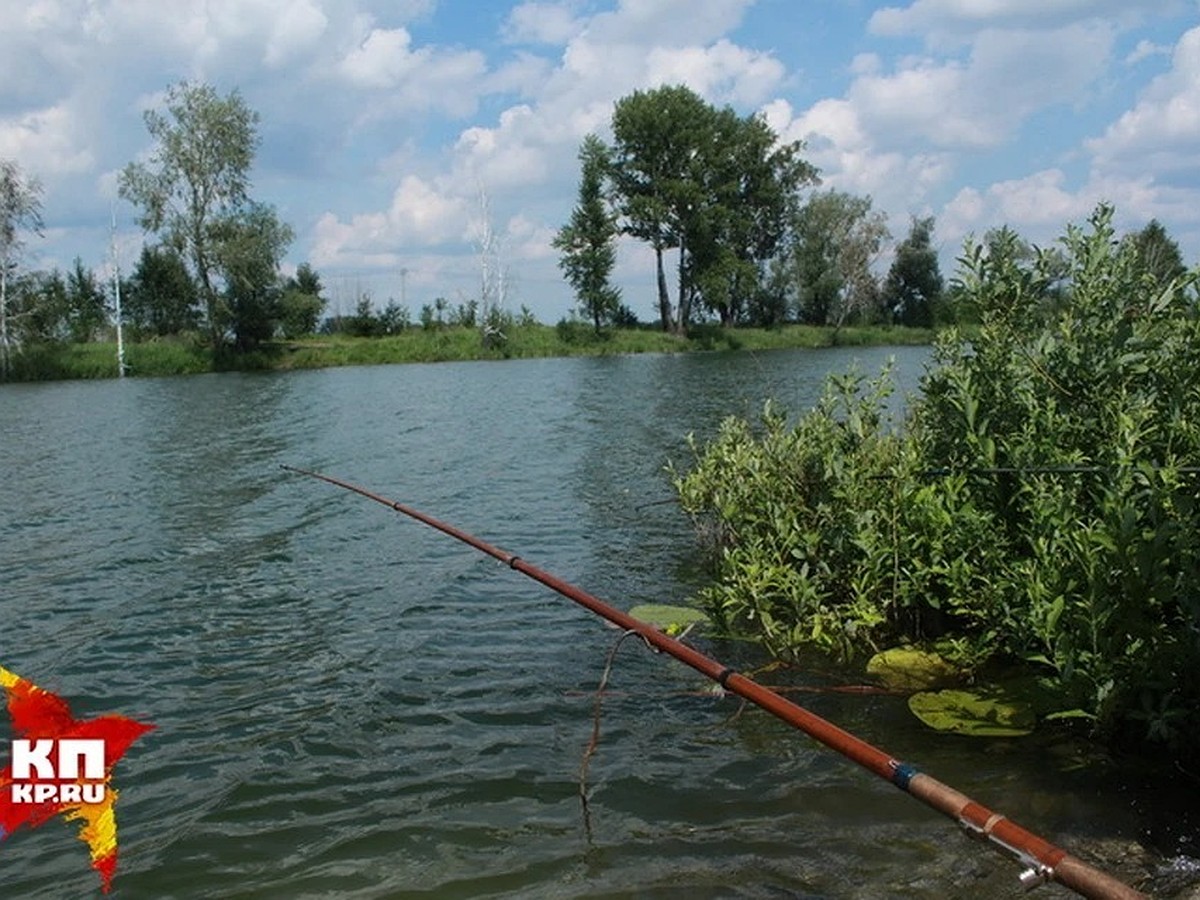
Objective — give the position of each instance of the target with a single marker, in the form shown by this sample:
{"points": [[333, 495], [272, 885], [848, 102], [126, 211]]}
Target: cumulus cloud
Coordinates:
{"points": [[542, 23], [979, 102], [47, 142], [415, 78], [421, 215], [939, 17], [668, 23], [1162, 131]]}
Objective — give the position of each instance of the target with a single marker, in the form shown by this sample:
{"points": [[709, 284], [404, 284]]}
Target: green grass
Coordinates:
{"points": [[186, 356]]}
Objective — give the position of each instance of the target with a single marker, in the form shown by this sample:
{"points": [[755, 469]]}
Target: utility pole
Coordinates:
{"points": [[116, 264], [404, 287]]}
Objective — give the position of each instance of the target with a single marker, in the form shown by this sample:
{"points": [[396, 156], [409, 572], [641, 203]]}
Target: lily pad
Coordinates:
{"points": [[978, 714], [910, 669], [671, 619]]}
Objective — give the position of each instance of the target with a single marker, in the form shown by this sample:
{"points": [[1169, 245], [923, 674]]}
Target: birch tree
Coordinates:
{"points": [[20, 210], [197, 181]]}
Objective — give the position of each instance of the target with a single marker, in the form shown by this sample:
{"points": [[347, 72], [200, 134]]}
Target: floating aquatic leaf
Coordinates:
{"points": [[978, 714], [671, 619], [907, 668]]}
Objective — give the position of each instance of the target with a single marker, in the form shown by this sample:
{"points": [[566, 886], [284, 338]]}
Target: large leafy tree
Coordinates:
{"points": [[588, 241], [707, 182], [914, 282], [39, 308], [751, 185], [20, 210], [658, 137], [1157, 254], [302, 302], [195, 187], [161, 297], [825, 272], [249, 249]]}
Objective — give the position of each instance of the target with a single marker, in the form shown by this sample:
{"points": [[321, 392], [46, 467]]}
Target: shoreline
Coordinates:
{"points": [[187, 356]]}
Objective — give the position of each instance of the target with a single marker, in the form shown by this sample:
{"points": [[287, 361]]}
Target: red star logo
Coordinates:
{"points": [[38, 715]]}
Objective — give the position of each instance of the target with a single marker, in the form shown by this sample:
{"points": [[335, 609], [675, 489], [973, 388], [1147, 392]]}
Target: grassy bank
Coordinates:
{"points": [[181, 357]]}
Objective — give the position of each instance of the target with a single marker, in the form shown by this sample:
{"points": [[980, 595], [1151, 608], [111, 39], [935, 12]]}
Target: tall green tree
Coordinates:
{"points": [[587, 243], [658, 136], [20, 210], [914, 282], [87, 304], [707, 182], [161, 298], [39, 308], [1158, 255], [825, 270], [196, 183], [302, 302], [751, 184], [249, 248]]}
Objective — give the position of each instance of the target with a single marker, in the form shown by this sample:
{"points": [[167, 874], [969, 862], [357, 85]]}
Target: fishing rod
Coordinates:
{"points": [[1042, 860]]}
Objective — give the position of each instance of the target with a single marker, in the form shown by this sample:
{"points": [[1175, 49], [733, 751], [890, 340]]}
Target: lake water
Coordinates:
{"points": [[349, 704]]}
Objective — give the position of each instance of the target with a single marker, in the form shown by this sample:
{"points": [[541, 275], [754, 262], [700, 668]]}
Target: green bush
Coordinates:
{"points": [[1039, 506]]}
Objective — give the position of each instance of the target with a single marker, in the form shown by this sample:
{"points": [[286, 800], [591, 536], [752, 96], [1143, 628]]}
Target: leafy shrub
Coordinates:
{"points": [[1040, 505]]}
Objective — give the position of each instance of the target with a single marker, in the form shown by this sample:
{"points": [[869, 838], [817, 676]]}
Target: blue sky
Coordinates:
{"points": [[382, 122]]}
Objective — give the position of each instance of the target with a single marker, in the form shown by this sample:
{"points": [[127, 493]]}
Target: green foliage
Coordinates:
{"points": [[194, 189], [588, 242], [673, 620], [983, 713], [466, 315], [87, 304], [301, 305], [1158, 256], [824, 272], [1038, 507], [38, 309], [394, 318], [914, 282], [299, 313], [716, 186], [161, 297], [248, 248]]}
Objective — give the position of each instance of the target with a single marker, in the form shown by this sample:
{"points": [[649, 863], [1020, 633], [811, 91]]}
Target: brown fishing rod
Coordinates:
{"points": [[1042, 860]]}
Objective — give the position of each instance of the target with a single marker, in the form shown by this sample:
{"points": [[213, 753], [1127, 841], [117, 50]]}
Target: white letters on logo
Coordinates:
{"points": [[47, 760]]}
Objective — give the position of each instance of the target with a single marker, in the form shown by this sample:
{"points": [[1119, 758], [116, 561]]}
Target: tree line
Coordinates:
{"points": [[754, 241], [212, 266]]}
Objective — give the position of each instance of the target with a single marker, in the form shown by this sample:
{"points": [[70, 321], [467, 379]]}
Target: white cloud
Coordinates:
{"points": [[668, 23], [934, 17], [47, 142], [1162, 131], [982, 101], [414, 78], [294, 31], [723, 71], [542, 23], [1144, 50], [420, 215]]}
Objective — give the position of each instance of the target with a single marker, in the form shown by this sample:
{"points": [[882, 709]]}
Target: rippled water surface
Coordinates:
{"points": [[351, 705]]}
